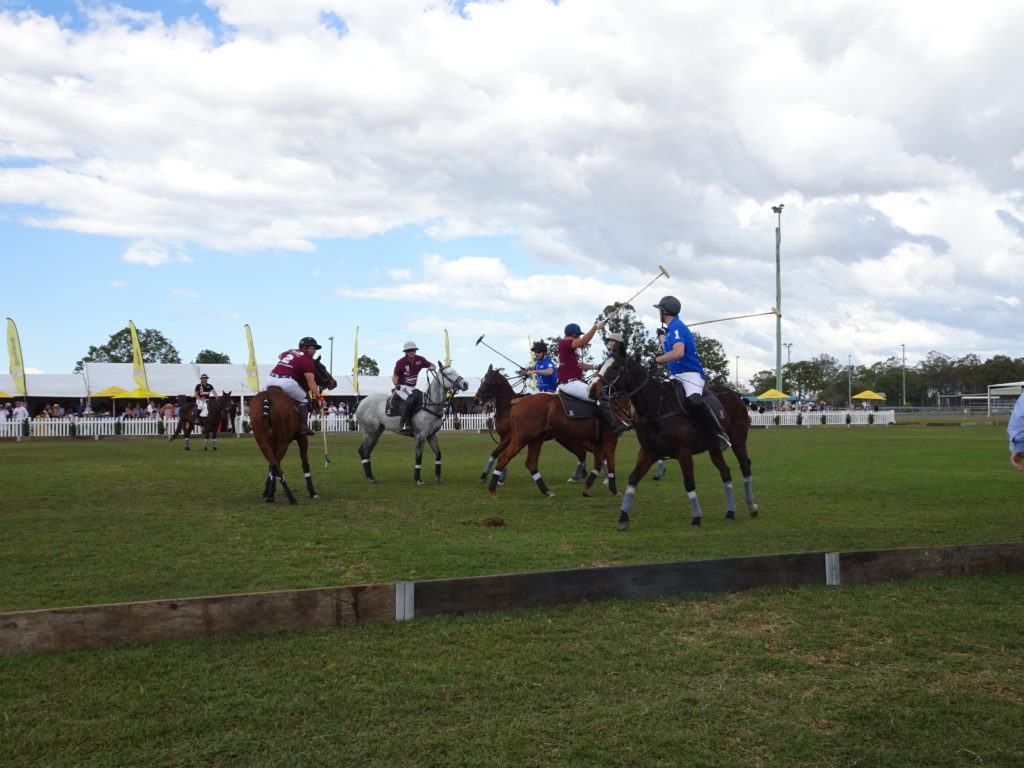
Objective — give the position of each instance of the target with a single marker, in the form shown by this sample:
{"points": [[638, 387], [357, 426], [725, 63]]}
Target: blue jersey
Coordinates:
{"points": [[547, 383], [677, 331]]}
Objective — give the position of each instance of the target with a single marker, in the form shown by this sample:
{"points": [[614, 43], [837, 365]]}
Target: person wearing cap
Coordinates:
{"points": [[294, 374], [684, 366], [614, 344], [543, 368], [204, 389], [407, 371]]}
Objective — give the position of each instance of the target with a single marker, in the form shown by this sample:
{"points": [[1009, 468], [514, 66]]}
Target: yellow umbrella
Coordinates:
{"points": [[773, 394], [138, 394], [867, 394], [4, 394], [108, 392]]}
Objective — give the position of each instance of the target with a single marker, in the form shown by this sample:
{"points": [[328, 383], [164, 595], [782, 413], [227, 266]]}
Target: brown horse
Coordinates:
{"points": [[496, 389], [663, 431], [275, 424], [189, 419], [540, 417]]}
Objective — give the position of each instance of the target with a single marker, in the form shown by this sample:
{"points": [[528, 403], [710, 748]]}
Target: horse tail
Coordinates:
{"points": [[267, 408]]}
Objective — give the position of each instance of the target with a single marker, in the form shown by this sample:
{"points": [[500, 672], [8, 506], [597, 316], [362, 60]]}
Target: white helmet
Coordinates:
{"points": [[409, 345]]}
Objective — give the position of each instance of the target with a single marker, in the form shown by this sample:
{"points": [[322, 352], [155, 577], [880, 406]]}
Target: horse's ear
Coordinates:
{"points": [[490, 367]]}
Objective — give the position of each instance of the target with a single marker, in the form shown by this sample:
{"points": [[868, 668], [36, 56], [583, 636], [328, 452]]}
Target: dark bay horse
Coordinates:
{"points": [[496, 389], [541, 417], [371, 415], [664, 432], [189, 419], [275, 424]]}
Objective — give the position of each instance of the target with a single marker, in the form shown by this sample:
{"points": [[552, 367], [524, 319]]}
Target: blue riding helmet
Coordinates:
{"points": [[572, 329]]}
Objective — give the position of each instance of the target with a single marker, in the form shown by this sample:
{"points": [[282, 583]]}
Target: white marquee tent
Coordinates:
{"points": [[179, 379]]}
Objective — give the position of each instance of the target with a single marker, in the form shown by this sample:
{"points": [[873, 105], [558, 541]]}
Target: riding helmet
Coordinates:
{"points": [[308, 341], [539, 346], [204, 376], [613, 337], [573, 329], [669, 304], [409, 345]]}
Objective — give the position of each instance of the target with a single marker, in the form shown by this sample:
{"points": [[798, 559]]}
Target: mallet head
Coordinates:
{"points": [[480, 339]]}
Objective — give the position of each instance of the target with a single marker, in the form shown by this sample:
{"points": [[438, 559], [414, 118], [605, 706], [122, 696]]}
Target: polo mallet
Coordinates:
{"points": [[481, 341], [737, 317], [323, 431], [663, 272]]}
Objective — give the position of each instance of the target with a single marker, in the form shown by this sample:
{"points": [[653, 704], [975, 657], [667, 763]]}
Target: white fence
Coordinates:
{"points": [[815, 418], [104, 427]]}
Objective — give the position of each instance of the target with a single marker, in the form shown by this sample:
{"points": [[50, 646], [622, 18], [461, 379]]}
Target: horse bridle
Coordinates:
{"points": [[449, 392], [624, 369]]}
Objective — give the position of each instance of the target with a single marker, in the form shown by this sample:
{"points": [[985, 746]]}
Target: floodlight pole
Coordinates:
{"points": [[849, 382], [330, 368], [777, 210], [904, 346]]}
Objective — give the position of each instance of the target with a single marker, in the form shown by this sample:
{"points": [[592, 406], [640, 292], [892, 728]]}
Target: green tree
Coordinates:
{"points": [[156, 348], [210, 357], [368, 366]]}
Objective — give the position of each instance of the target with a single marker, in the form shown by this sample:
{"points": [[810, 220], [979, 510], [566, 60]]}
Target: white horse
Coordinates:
{"points": [[373, 420]]}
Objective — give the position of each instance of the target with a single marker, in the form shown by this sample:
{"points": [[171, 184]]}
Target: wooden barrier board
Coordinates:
{"points": [[140, 622]]}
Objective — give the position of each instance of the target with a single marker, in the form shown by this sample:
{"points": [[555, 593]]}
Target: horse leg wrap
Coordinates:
{"points": [[748, 489], [581, 470], [592, 477], [660, 472], [489, 466], [611, 482], [627, 499], [366, 468], [695, 503], [540, 483], [730, 503]]}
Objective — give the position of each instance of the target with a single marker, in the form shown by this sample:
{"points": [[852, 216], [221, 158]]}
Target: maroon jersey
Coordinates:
{"points": [[295, 364], [408, 370], [568, 362]]}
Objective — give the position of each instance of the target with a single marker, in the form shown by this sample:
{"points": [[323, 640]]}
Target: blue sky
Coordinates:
{"points": [[504, 168]]}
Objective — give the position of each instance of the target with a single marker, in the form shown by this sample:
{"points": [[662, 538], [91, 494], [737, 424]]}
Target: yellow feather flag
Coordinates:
{"points": [[447, 353], [17, 361], [138, 367], [251, 371], [355, 364]]}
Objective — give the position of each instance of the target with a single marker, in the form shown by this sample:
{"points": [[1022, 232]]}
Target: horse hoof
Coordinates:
{"points": [[616, 494], [550, 495], [420, 483], [293, 501], [623, 525], [695, 523], [493, 494], [587, 493], [315, 496], [270, 501], [437, 481], [754, 510], [481, 481], [371, 480], [187, 448]]}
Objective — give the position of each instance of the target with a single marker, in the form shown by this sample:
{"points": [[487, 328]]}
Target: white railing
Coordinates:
{"points": [[105, 426], [814, 418]]}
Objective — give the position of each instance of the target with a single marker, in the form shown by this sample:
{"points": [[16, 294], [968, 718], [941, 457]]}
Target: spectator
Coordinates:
{"points": [[20, 412], [1015, 431]]}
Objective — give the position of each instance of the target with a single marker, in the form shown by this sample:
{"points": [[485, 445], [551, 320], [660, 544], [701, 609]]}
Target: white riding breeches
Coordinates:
{"points": [[693, 382], [576, 388], [290, 386]]}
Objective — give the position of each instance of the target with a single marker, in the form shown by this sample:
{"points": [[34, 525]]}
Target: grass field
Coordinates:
{"points": [[923, 673], [88, 522]]}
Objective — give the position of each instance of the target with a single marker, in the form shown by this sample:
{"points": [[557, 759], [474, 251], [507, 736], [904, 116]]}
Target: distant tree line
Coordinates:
{"points": [[825, 378]]}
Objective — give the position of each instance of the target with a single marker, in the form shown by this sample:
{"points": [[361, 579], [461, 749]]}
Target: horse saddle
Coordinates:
{"points": [[395, 404], [575, 408], [708, 396]]}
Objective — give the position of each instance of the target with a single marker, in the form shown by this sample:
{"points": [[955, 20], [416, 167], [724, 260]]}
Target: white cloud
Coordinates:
{"points": [[182, 293]]}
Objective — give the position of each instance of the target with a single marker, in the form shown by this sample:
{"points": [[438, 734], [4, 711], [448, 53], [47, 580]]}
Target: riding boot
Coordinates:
{"points": [[304, 419], [613, 424], [406, 415], [707, 418]]}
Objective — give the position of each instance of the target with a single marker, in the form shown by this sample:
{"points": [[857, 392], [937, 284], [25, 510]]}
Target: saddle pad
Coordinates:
{"points": [[575, 408]]}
